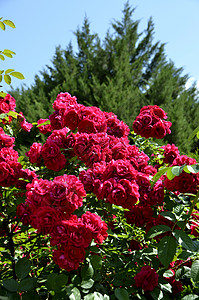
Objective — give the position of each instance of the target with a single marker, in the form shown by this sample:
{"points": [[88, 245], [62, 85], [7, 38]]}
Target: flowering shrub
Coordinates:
{"points": [[89, 215]]}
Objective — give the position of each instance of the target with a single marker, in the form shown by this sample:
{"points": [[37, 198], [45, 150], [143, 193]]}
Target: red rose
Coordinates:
{"points": [[67, 193], [92, 120], [115, 127], [44, 128], [170, 153], [147, 279], [97, 227], [34, 154], [44, 219], [59, 137], [6, 174], [63, 101], [69, 257], [56, 120], [56, 163], [8, 154], [6, 141], [71, 118], [139, 215], [158, 130], [38, 193], [176, 286], [7, 103], [157, 111], [135, 245], [23, 123]]}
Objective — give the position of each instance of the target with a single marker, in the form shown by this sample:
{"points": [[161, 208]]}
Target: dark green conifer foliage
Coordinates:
{"points": [[121, 73]]}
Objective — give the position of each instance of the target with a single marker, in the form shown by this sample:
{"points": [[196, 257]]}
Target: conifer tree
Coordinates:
{"points": [[121, 73]]}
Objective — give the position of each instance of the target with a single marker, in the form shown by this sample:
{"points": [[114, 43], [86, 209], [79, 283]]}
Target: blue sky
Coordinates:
{"points": [[41, 25]]}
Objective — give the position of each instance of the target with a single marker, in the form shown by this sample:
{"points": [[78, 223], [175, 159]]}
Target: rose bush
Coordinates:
{"points": [[96, 212]]}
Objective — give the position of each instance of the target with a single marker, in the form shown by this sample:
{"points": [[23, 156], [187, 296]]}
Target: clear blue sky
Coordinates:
{"points": [[41, 25]]}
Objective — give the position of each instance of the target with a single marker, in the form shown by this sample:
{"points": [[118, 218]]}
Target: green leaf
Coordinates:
{"points": [[193, 134], [168, 273], [76, 280], [87, 271], [87, 284], [166, 287], [157, 294], [195, 271], [44, 123], [160, 173], [174, 171], [190, 297], [27, 284], [96, 296], [166, 250], [168, 215], [51, 282], [22, 268], [1, 77], [170, 174], [7, 54], [32, 295], [13, 114], [9, 23], [121, 294], [156, 230], [75, 294], [2, 57], [177, 170], [7, 79], [2, 26], [192, 168], [56, 281], [62, 279], [119, 207], [178, 209], [11, 285], [1, 71], [2, 94], [183, 239], [8, 71], [185, 254], [8, 51], [3, 116], [17, 75], [96, 262], [183, 273]]}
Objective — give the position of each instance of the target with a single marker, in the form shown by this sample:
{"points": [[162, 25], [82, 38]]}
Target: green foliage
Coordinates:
{"points": [[8, 53]]}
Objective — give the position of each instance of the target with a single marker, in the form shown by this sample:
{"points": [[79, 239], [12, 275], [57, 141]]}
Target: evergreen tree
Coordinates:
{"points": [[122, 73]]}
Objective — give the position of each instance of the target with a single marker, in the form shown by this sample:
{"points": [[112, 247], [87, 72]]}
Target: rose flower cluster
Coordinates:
{"points": [[150, 122], [114, 170], [117, 171], [48, 208]]}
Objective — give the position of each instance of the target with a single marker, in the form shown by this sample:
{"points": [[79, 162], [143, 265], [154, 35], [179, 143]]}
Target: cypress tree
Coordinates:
{"points": [[121, 73]]}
